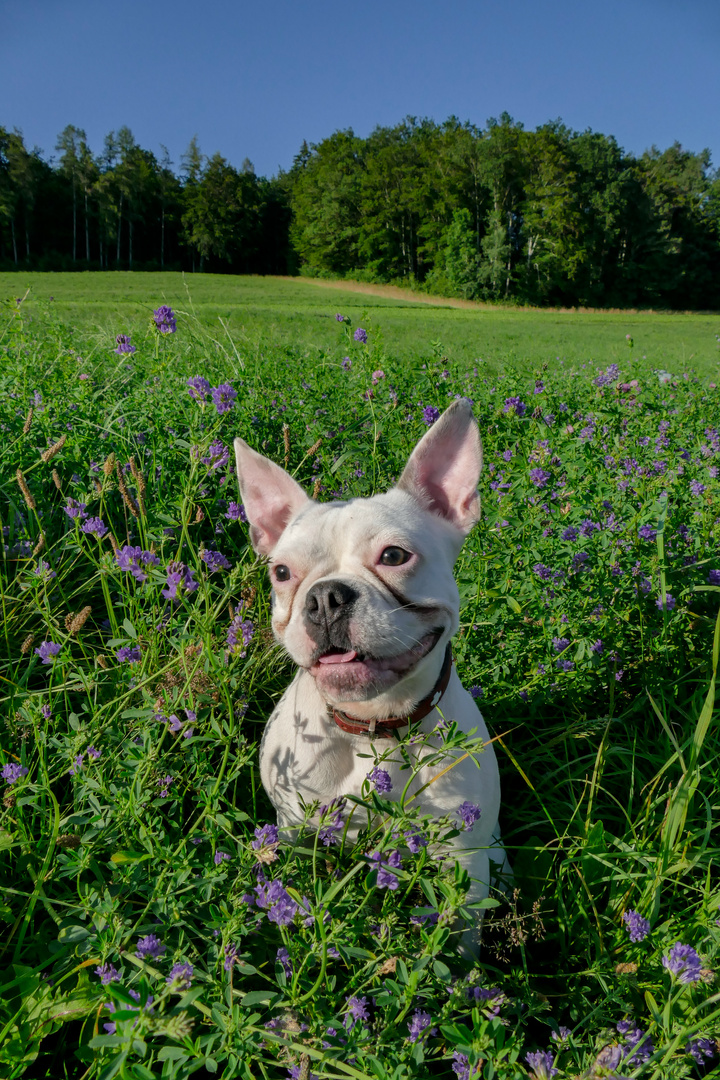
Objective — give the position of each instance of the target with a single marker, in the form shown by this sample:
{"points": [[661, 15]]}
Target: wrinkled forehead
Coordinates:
{"points": [[341, 529]]}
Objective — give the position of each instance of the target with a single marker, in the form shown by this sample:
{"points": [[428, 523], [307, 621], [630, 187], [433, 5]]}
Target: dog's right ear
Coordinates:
{"points": [[270, 496]]}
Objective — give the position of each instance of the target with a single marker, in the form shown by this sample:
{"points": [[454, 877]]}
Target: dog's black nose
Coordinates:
{"points": [[329, 601]]}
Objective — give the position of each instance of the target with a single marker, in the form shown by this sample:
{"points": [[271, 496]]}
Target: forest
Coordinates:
{"points": [[545, 217]]}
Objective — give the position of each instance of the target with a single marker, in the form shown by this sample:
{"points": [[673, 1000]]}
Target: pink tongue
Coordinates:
{"points": [[337, 658]]}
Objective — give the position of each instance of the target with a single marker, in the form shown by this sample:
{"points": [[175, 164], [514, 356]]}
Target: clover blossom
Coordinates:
{"points": [[48, 651], [236, 512], [108, 973], [516, 405], [217, 456], [13, 772], [381, 779], [180, 976], [164, 319], [214, 560], [198, 388], [539, 477], [469, 813], [637, 927], [357, 1009], [430, 415], [477, 692], [541, 1062], [123, 344], [94, 525], [360, 335], [129, 654], [683, 962], [240, 634], [75, 509], [150, 948], [133, 559], [223, 397], [179, 579], [418, 1026]]}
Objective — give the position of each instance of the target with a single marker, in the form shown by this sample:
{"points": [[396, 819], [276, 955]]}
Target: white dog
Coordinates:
{"points": [[365, 603]]}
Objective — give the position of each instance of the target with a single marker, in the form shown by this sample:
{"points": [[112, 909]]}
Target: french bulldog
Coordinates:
{"points": [[365, 603]]}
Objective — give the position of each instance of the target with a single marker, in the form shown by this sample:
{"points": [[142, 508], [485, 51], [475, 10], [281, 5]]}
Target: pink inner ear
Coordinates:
{"points": [[270, 496], [444, 468]]}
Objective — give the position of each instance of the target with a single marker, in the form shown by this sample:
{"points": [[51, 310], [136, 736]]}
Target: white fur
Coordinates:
{"points": [[304, 755]]}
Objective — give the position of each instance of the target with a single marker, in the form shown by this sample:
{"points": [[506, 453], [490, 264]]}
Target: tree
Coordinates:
{"points": [[70, 142]]}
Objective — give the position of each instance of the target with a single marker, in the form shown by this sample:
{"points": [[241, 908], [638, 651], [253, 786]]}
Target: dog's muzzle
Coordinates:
{"points": [[328, 607]]}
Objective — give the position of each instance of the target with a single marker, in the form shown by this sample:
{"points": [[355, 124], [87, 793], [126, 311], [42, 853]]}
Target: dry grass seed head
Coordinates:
{"points": [[54, 449], [29, 501], [40, 545], [56, 479], [28, 422], [27, 645], [77, 621]]}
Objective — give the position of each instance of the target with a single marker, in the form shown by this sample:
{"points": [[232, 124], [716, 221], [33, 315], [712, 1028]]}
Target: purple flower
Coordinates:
{"points": [[48, 651], [469, 813], [560, 644], [646, 532], [381, 779], [330, 831], [571, 533], [477, 692], [94, 753], [179, 578], [461, 1065], [132, 559], [220, 857], [669, 602], [377, 376], [75, 509], [541, 1062], [346, 363], [215, 561], [360, 335], [415, 840], [236, 512], [77, 765], [223, 397], [217, 455], [539, 477], [357, 1009], [108, 974], [610, 375], [430, 414], [240, 634], [542, 571], [714, 577], [123, 344], [283, 957], [701, 1049], [638, 1047], [94, 525], [638, 928], [180, 976], [340, 318], [683, 962], [565, 665], [13, 772], [283, 911], [129, 654], [384, 866], [230, 956], [418, 1025], [697, 488], [164, 319], [198, 388], [43, 571], [150, 948], [164, 784], [539, 386], [516, 404]]}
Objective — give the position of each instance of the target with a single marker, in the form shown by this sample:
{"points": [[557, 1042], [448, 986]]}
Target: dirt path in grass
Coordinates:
{"points": [[388, 292]]}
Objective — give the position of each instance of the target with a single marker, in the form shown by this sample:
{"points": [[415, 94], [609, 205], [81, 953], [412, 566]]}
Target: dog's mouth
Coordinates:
{"points": [[352, 675]]}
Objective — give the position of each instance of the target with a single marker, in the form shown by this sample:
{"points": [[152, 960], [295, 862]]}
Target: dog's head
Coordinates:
{"points": [[363, 592]]}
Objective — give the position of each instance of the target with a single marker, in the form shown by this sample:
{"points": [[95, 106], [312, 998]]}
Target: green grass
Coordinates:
{"points": [[589, 613], [295, 311]]}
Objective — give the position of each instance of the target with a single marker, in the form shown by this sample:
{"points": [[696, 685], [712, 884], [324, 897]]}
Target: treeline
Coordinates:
{"points": [[551, 216], [127, 210]]}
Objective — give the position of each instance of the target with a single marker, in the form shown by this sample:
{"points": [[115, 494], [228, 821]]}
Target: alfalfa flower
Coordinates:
{"points": [[223, 397], [683, 962], [637, 927], [13, 772], [48, 651], [124, 345], [164, 320], [360, 335], [150, 948]]}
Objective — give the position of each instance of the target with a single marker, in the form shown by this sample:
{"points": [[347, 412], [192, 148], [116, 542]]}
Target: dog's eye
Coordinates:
{"points": [[282, 572], [394, 556]]}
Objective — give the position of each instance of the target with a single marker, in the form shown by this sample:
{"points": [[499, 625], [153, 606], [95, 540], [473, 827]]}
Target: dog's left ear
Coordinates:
{"points": [[270, 495], [443, 470]]}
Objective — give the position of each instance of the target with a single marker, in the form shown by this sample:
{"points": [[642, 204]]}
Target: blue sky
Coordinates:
{"points": [[254, 80]]}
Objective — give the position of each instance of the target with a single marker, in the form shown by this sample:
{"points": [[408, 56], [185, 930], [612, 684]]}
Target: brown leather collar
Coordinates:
{"points": [[384, 729]]}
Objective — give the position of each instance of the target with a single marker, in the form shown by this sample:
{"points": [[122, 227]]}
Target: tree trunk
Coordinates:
{"points": [[162, 240], [130, 227], [87, 230], [27, 242], [101, 250], [117, 256], [14, 241]]}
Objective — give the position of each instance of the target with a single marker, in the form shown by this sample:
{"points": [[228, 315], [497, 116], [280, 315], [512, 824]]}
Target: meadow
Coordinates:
{"points": [[153, 923]]}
